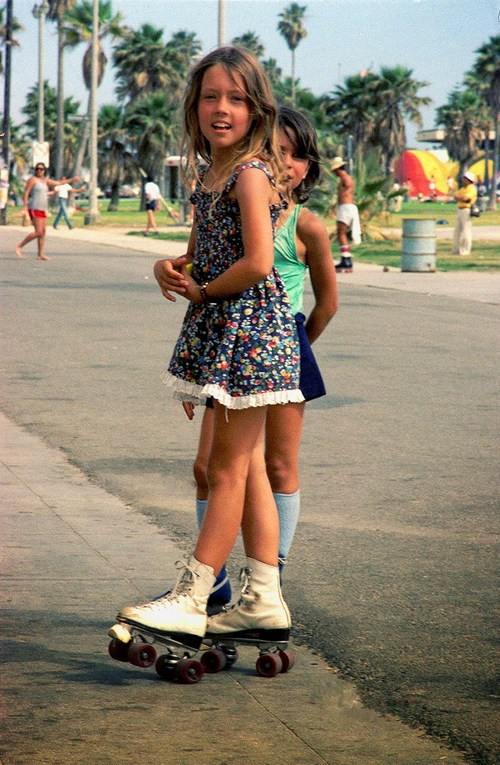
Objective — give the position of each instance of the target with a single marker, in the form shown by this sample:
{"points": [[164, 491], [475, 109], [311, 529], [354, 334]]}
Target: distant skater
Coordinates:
{"points": [[347, 215], [36, 202]]}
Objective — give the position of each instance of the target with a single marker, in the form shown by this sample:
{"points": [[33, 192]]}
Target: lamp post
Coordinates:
{"points": [[93, 214], [39, 12], [6, 107], [221, 32]]}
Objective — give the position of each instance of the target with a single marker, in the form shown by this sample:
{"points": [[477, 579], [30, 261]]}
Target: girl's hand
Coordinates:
{"points": [[171, 276], [188, 407]]}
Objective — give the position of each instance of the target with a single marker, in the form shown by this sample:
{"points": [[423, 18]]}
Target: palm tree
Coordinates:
{"points": [[15, 27], [146, 64], [251, 42], [139, 59], [184, 47], [152, 124], [77, 29], [57, 9], [461, 118], [71, 108], [116, 165], [293, 30], [485, 79], [352, 109], [396, 94]]}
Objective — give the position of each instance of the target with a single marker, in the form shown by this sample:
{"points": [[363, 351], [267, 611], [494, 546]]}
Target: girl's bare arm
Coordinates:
{"points": [[313, 234]]}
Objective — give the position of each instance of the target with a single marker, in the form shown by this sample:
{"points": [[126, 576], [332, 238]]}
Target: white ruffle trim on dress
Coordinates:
{"points": [[197, 394]]}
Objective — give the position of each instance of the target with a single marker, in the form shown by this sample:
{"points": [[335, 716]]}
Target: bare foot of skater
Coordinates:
{"points": [[43, 257], [19, 252]]}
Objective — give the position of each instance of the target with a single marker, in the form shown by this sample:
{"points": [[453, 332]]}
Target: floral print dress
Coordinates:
{"points": [[243, 351]]}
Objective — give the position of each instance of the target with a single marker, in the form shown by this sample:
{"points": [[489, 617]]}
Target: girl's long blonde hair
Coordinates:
{"points": [[262, 139]]}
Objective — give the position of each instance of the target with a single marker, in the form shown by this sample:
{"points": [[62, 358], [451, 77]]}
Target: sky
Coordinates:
{"points": [[437, 39]]}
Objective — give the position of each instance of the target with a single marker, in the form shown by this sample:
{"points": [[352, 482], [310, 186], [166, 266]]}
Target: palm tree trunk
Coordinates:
{"points": [[82, 149], [293, 76], [60, 102], [493, 196]]}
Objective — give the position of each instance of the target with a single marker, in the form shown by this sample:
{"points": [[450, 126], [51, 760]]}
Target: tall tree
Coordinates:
{"points": [[291, 27], [139, 59], [396, 100], [251, 42], [152, 125], [485, 79], [71, 108], [78, 29], [15, 27], [116, 165], [57, 9], [461, 119], [183, 48], [145, 64], [352, 109]]}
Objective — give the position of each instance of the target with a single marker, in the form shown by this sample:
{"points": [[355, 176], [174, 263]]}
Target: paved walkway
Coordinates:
{"points": [[465, 285], [74, 553]]}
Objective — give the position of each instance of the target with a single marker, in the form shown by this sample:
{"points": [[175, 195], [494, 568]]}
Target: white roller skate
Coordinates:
{"points": [[182, 613], [261, 618]]}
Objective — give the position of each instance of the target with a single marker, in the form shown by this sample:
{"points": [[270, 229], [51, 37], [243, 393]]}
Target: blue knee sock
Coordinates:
{"points": [[201, 508], [288, 511]]}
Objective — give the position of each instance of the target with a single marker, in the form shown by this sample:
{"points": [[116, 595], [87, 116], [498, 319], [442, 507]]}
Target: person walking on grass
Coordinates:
{"points": [[238, 345]]}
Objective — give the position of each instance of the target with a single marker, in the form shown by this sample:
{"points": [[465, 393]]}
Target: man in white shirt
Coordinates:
{"points": [[63, 193], [152, 192]]}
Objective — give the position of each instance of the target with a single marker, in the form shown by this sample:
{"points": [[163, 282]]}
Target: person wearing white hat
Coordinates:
{"points": [[466, 197], [347, 215]]}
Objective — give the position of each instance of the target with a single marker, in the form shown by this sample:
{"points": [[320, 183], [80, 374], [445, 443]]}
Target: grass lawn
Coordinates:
{"points": [[485, 255]]}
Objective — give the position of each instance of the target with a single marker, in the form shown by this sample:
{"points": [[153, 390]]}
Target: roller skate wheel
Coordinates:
{"points": [[189, 671], [141, 654], [288, 659], [269, 665], [118, 650], [214, 660]]}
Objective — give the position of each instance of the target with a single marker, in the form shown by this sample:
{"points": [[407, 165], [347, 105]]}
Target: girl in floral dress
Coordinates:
{"points": [[238, 344]]}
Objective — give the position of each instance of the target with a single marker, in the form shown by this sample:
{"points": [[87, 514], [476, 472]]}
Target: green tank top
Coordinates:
{"points": [[291, 269]]}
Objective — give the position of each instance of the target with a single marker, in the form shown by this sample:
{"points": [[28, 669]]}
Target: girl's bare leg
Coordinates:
{"points": [[236, 434], [260, 525], [283, 435], [200, 467], [40, 227]]}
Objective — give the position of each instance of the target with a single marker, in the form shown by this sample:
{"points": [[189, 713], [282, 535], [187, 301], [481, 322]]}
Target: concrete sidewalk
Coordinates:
{"points": [[72, 555]]}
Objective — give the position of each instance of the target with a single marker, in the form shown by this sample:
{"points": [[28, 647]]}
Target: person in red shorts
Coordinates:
{"points": [[36, 197]]}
